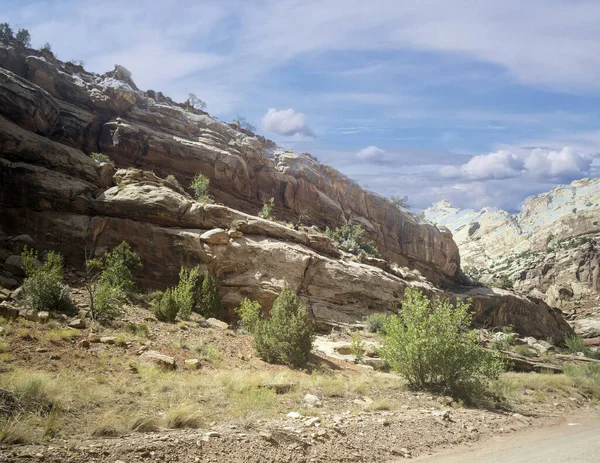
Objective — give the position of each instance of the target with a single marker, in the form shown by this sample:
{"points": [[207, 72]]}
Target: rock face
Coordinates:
{"points": [[549, 250], [51, 190], [147, 130]]}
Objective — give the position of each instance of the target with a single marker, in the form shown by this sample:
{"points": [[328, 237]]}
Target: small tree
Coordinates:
{"points": [[267, 209], [44, 287], [250, 314], [6, 33], [244, 124], [23, 37], [209, 303], [287, 335], [166, 307], [194, 102], [400, 203], [429, 343], [47, 47], [185, 293], [200, 185]]}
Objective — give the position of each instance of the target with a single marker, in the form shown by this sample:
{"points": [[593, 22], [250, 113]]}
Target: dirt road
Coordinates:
{"points": [[574, 439]]}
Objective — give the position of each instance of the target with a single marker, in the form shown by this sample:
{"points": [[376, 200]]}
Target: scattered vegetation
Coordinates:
{"points": [[351, 237], [286, 336], [200, 185], [429, 343], [266, 211], [102, 158], [44, 287]]}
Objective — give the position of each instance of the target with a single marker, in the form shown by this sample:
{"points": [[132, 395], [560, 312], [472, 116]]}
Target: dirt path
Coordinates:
{"points": [[573, 439]]}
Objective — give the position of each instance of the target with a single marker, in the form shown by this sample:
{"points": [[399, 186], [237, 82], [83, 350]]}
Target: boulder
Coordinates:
{"points": [[14, 265], [77, 323], [192, 364], [214, 323], [312, 400], [216, 236], [157, 359], [8, 311]]}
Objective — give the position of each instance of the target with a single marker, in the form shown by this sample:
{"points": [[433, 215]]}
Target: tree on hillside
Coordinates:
{"points": [[6, 33], [244, 124], [400, 203], [194, 102], [23, 37]]}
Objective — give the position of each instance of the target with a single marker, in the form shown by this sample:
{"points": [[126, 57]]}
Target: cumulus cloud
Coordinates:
{"points": [[286, 122], [564, 165], [370, 152]]}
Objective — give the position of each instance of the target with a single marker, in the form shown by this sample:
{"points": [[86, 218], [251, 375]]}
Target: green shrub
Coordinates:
{"points": [[267, 209], [585, 377], [23, 37], [250, 314], [429, 343], [185, 291], [357, 347], [109, 281], [166, 308], [286, 336], [575, 345], [351, 237], [375, 322], [200, 185], [44, 287], [525, 351], [100, 158], [209, 303]]}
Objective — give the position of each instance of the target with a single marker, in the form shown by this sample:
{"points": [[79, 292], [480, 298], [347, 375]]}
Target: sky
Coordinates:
{"points": [[481, 103]]}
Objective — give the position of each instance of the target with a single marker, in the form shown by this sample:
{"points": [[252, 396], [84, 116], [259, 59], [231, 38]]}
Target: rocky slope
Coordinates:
{"points": [[147, 130], [550, 249], [54, 113]]}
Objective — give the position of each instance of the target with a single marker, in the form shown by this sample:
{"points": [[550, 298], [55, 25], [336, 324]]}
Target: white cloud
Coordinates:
{"points": [[370, 152], [286, 122], [564, 165]]}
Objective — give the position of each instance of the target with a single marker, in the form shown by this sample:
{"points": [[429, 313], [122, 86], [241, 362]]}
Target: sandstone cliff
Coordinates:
{"points": [[550, 249], [54, 113], [147, 130]]}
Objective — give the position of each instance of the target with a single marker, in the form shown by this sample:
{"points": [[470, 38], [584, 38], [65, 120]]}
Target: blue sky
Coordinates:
{"points": [[479, 102]]}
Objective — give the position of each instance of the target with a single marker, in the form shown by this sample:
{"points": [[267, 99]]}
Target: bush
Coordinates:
{"points": [[99, 157], [250, 314], [525, 351], [166, 307], [209, 303], [575, 345], [185, 291], [357, 347], [375, 322], [286, 336], [109, 281], [200, 185], [351, 237], [44, 287], [267, 209], [429, 343]]}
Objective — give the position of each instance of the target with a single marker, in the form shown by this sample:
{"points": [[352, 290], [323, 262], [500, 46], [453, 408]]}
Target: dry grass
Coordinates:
{"points": [[184, 416]]}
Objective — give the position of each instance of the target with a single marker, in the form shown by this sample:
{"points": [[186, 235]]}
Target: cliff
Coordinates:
{"points": [[54, 113]]}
